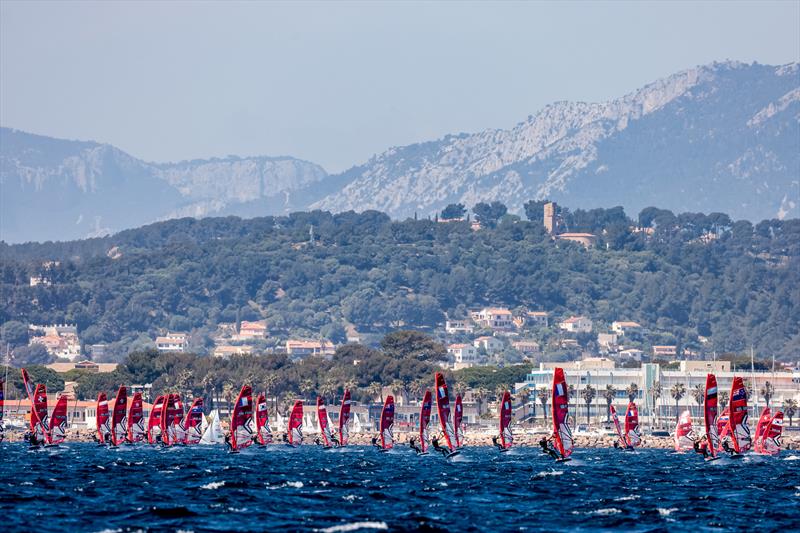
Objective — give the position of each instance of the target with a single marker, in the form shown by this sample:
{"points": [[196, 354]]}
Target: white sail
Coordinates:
{"points": [[356, 423], [212, 432]]}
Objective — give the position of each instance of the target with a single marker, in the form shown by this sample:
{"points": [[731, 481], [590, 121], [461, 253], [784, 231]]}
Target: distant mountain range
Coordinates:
{"points": [[722, 137]]}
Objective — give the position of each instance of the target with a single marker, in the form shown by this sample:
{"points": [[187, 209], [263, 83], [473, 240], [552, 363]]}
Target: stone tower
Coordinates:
{"points": [[550, 223]]}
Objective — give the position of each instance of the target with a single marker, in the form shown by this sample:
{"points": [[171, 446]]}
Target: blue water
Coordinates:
{"points": [[81, 487]]}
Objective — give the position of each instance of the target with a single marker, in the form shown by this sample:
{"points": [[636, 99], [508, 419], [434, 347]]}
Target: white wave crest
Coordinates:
{"points": [[355, 526], [213, 485]]}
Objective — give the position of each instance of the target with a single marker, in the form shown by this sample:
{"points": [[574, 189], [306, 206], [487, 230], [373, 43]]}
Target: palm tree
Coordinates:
{"points": [[677, 392], [632, 391], [500, 390], [722, 398], [306, 387], [790, 408], [480, 395], [328, 389], [699, 394], [656, 392], [609, 394], [588, 393], [227, 393], [544, 397], [374, 389], [571, 396], [207, 383], [398, 387], [767, 391]]}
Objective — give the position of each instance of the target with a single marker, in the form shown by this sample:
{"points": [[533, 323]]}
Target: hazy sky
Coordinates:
{"points": [[336, 83]]}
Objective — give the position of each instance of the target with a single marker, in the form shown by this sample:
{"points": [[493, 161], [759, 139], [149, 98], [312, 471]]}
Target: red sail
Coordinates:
{"points": [[103, 417], [119, 414], [506, 438], [710, 414], [740, 430], [166, 420], [242, 419], [324, 423], [296, 424], [443, 408], [761, 428], [136, 430], [772, 437], [175, 412], [262, 421], [58, 422], [29, 387], [193, 423], [42, 427], [562, 433], [458, 417], [723, 427], [617, 425], [344, 419], [632, 437], [2, 401], [154, 420], [684, 434], [387, 423], [424, 421]]}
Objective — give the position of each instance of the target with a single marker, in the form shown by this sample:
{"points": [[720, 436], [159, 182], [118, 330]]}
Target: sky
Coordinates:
{"points": [[336, 83]]}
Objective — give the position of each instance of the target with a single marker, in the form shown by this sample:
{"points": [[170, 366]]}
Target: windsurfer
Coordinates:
{"points": [[701, 446], [438, 448], [412, 443], [228, 441], [334, 440], [375, 443], [317, 441], [496, 443], [285, 438], [727, 447], [547, 447]]}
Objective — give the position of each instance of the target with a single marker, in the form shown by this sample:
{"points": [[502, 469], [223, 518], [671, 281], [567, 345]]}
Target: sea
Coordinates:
{"points": [[84, 487]]}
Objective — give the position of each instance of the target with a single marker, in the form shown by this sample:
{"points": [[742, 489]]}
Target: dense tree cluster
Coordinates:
{"points": [[688, 274]]}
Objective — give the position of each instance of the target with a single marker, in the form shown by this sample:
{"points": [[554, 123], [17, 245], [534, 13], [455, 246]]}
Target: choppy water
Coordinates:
{"points": [[81, 487]]}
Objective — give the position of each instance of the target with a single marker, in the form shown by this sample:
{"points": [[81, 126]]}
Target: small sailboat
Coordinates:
{"points": [[740, 430], [443, 408], [684, 433], [632, 435], [387, 424], [264, 434], [295, 431], [136, 429], [506, 413], [562, 433], [458, 418], [761, 428], [119, 417], [193, 422], [103, 419], [212, 430], [154, 420], [58, 422], [324, 423], [242, 420], [771, 444], [424, 422], [710, 415], [344, 419]]}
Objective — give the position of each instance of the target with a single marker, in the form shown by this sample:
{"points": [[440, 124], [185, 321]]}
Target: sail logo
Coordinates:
{"points": [[560, 389], [711, 392], [442, 392], [740, 394]]}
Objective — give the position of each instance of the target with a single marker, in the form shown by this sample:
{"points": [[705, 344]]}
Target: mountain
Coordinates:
{"points": [[54, 189], [722, 137]]}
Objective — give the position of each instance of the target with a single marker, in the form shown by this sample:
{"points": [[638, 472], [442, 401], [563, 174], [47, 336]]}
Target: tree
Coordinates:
{"points": [[544, 397], [723, 399], [35, 354], [790, 408], [375, 389], [413, 344], [534, 210], [489, 214], [454, 212], [589, 394], [632, 391], [656, 392], [677, 392], [767, 391], [306, 387], [14, 333], [610, 395], [699, 394]]}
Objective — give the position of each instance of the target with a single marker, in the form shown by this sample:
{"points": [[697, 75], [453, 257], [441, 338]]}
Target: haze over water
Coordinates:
{"points": [[81, 487]]}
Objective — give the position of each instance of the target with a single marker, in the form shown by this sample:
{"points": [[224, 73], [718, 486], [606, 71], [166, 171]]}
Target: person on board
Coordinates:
{"points": [[412, 443], [701, 446], [285, 438], [496, 443], [317, 441], [334, 439], [727, 447], [2, 433], [547, 447], [228, 441], [375, 443], [435, 443]]}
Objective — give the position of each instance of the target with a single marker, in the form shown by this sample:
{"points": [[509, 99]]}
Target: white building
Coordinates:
{"points": [[526, 347], [458, 326], [464, 355], [607, 340], [491, 345], [497, 318], [537, 318], [623, 328], [172, 343], [576, 324]]}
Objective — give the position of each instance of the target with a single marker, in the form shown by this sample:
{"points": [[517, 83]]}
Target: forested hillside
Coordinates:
{"points": [[691, 274]]}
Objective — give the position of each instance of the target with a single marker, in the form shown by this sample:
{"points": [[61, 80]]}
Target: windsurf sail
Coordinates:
{"points": [[2, 405], [212, 434], [136, 431], [424, 421], [166, 420], [617, 425], [740, 430], [772, 437], [344, 419], [443, 408], [723, 427], [58, 422], [119, 417], [562, 434], [42, 425], [506, 438], [192, 423], [324, 423], [30, 388], [710, 414], [458, 417], [175, 413], [295, 430], [262, 421], [154, 420], [632, 436], [684, 433], [242, 419], [761, 428], [387, 423], [103, 418]]}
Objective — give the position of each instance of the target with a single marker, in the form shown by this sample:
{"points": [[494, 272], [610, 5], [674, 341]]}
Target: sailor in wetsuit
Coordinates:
{"points": [[727, 447], [334, 440], [285, 438], [496, 443], [412, 443], [701, 446], [228, 441], [547, 447], [375, 443], [438, 448]]}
